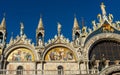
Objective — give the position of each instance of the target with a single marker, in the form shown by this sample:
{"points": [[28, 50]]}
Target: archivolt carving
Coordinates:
{"points": [[112, 36], [110, 69]]}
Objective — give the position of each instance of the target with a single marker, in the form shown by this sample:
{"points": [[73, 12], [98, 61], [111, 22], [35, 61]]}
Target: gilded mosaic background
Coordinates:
{"points": [[60, 53], [21, 54]]}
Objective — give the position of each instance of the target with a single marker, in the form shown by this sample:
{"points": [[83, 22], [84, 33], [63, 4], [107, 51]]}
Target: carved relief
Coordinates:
{"points": [[111, 69], [107, 28]]}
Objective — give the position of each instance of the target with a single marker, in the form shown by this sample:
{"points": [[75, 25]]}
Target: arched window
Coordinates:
{"points": [[40, 36], [20, 70], [60, 70], [105, 49], [77, 35]]}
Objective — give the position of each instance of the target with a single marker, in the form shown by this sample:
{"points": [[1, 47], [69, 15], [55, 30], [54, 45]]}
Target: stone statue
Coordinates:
{"points": [[90, 30], [84, 31], [103, 9], [99, 17], [40, 43], [21, 29], [77, 41], [59, 28], [80, 52], [102, 62], [92, 61], [110, 17], [94, 25]]}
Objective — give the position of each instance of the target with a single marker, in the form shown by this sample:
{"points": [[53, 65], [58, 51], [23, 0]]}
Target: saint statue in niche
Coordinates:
{"points": [[40, 43]]}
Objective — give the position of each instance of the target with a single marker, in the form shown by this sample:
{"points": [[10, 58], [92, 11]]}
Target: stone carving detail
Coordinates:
{"points": [[103, 9], [99, 17], [110, 69], [58, 39], [110, 17], [20, 40], [107, 28], [40, 42], [94, 25], [84, 31], [80, 52], [92, 62], [77, 42]]}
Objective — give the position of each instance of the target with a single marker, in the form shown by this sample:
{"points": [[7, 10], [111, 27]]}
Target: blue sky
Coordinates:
{"points": [[52, 11]]}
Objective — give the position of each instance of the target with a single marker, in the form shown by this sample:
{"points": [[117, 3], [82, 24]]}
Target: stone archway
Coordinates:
{"points": [[111, 70], [56, 47], [95, 38]]}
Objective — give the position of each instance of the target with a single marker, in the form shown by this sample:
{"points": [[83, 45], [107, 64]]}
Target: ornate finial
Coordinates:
{"points": [[40, 25], [103, 9], [59, 29], [110, 17], [21, 29], [83, 23], [76, 26], [3, 23]]}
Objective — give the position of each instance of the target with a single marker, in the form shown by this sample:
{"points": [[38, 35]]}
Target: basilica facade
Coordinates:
{"points": [[92, 51]]}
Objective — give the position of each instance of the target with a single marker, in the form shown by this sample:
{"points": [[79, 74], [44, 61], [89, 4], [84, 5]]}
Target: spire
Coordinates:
{"points": [[40, 33], [40, 25], [83, 22], [21, 29], [103, 9], [3, 23], [76, 26]]}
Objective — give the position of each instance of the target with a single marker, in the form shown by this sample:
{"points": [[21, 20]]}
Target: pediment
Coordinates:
{"points": [[58, 39], [20, 40]]}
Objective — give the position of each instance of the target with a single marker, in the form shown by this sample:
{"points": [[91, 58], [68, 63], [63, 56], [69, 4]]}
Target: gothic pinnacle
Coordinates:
{"points": [[40, 25], [3, 23], [75, 25]]}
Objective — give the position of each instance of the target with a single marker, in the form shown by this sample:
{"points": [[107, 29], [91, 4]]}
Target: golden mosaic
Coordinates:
{"points": [[60, 53], [21, 54]]}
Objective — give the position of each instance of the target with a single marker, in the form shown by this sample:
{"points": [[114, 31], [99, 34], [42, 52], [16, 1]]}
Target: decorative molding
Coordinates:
{"points": [[110, 69]]}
